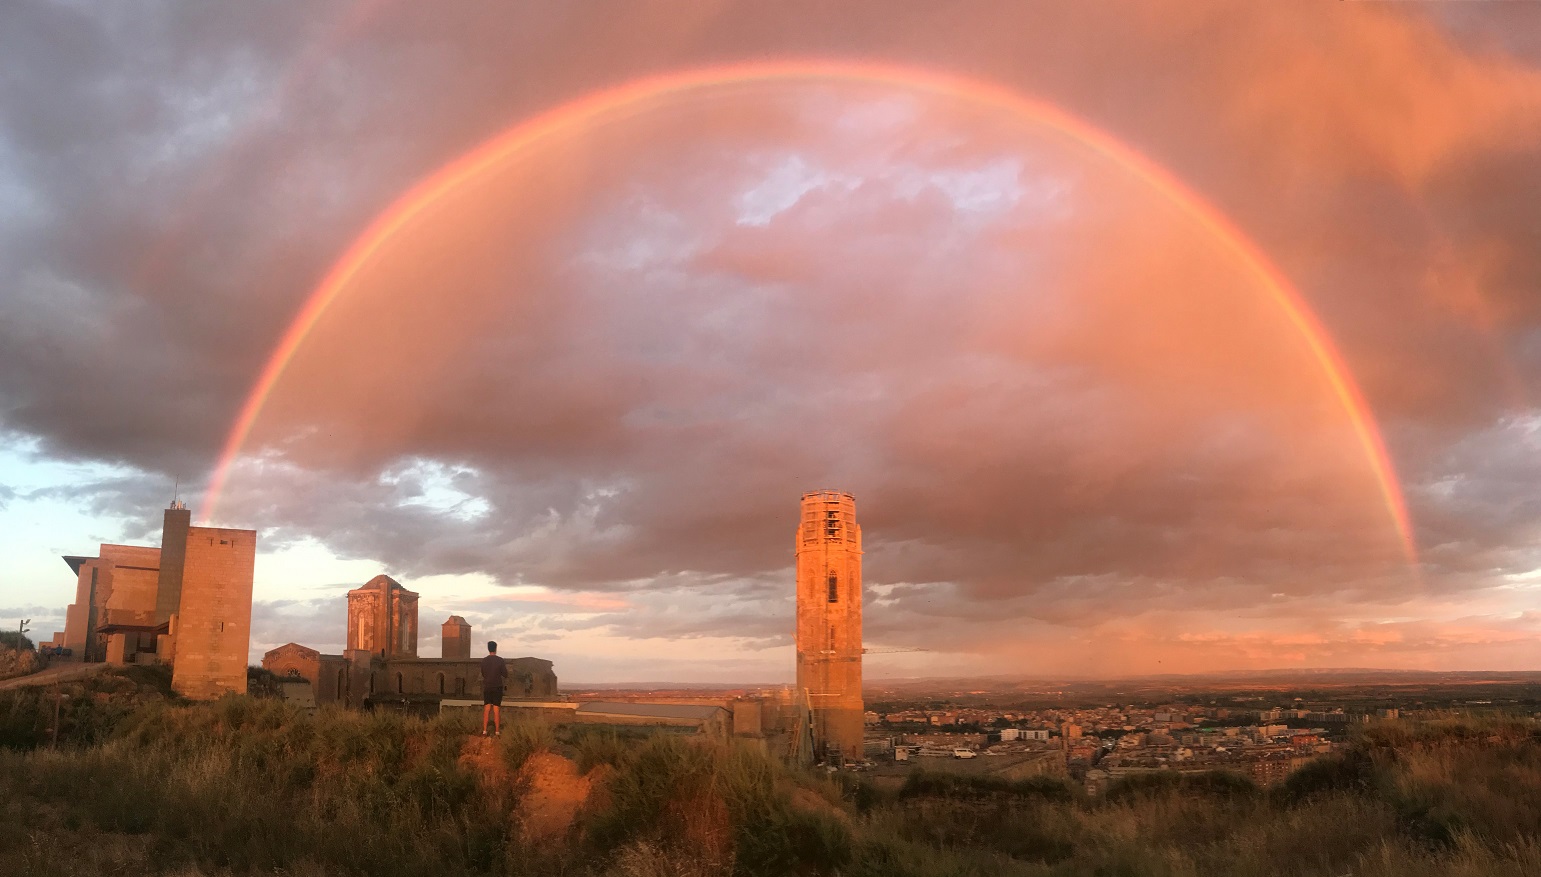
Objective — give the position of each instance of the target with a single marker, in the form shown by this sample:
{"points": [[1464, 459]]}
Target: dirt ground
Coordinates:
{"points": [[555, 793], [480, 756]]}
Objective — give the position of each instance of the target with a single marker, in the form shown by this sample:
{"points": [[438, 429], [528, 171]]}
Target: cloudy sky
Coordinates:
{"points": [[1102, 311]]}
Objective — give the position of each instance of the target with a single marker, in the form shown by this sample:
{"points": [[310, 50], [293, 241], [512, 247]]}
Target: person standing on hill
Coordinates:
{"points": [[494, 671]]}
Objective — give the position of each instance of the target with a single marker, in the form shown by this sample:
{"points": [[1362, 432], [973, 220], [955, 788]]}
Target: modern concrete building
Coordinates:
{"points": [[829, 644], [114, 591], [186, 603]]}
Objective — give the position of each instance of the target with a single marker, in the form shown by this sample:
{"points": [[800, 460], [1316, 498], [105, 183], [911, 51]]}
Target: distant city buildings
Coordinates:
{"points": [[1100, 744]]}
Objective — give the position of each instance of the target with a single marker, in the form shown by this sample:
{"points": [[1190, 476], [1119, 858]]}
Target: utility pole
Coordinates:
{"points": [[21, 632]]}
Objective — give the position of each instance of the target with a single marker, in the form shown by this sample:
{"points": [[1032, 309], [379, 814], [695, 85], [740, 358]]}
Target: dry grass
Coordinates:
{"points": [[247, 786]]}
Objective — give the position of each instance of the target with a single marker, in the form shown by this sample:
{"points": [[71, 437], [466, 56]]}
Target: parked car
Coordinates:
{"points": [[960, 752]]}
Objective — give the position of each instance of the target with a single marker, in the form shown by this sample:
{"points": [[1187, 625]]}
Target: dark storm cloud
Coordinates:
{"points": [[1485, 517], [132, 499], [175, 180]]}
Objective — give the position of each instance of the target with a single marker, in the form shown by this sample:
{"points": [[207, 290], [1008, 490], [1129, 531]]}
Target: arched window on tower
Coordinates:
{"points": [[834, 588]]}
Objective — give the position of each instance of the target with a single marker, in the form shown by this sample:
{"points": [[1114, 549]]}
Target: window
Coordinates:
{"points": [[441, 683], [834, 589], [400, 689]]}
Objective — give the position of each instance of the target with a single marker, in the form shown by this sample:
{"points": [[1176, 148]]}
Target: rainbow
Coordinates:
{"points": [[640, 93]]}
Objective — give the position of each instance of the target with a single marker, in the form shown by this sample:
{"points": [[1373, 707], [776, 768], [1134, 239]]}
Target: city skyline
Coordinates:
{"points": [[549, 317]]}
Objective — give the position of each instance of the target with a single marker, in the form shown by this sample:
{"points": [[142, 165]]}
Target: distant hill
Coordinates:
{"points": [[1227, 680]]}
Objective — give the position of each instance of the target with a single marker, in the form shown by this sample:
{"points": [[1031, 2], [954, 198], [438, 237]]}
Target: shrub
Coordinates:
{"points": [[1352, 771], [521, 739], [924, 783], [1221, 784], [10, 639], [593, 746]]}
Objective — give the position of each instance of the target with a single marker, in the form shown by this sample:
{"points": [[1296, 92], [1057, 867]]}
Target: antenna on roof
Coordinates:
{"points": [[176, 495]]}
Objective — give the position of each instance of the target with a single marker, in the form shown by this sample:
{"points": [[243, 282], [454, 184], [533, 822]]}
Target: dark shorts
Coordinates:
{"points": [[492, 696]]}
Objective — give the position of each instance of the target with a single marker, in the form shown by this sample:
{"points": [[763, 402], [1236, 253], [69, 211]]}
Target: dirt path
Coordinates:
{"points": [[62, 672], [556, 794], [553, 792]]}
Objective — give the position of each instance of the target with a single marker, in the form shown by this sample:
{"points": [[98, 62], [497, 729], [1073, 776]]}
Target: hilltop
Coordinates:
{"points": [[143, 783]]}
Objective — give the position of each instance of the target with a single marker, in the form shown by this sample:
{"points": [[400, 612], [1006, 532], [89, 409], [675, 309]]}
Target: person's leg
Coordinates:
{"points": [[486, 711], [497, 720]]}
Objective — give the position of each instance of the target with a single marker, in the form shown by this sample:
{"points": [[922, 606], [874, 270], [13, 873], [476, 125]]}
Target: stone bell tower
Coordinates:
{"points": [[828, 632]]}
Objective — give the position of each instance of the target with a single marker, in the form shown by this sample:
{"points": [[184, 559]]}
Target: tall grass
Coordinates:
{"points": [[246, 786]]}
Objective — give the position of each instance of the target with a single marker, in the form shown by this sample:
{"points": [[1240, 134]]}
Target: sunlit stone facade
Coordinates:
{"points": [[382, 619], [186, 603], [828, 632]]}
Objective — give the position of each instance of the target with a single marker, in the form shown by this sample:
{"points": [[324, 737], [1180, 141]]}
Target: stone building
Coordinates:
{"points": [[382, 618], [114, 590], [381, 661], [186, 603], [829, 644], [456, 638]]}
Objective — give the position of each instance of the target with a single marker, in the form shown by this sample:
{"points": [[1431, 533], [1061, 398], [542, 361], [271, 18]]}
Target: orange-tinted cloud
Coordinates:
{"points": [[1069, 419]]}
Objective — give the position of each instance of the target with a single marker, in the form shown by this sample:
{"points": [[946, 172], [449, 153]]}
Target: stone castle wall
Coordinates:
{"points": [[356, 676], [212, 628]]}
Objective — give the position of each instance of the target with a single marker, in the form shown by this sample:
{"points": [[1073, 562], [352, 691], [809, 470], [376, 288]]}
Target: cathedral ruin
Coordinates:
{"points": [[380, 660]]}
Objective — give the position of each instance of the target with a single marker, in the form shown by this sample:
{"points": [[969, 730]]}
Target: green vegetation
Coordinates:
{"points": [[10, 639], [143, 784], [18, 657], [89, 710]]}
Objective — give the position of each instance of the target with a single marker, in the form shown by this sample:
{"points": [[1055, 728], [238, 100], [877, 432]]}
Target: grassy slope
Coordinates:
{"points": [[246, 786]]}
